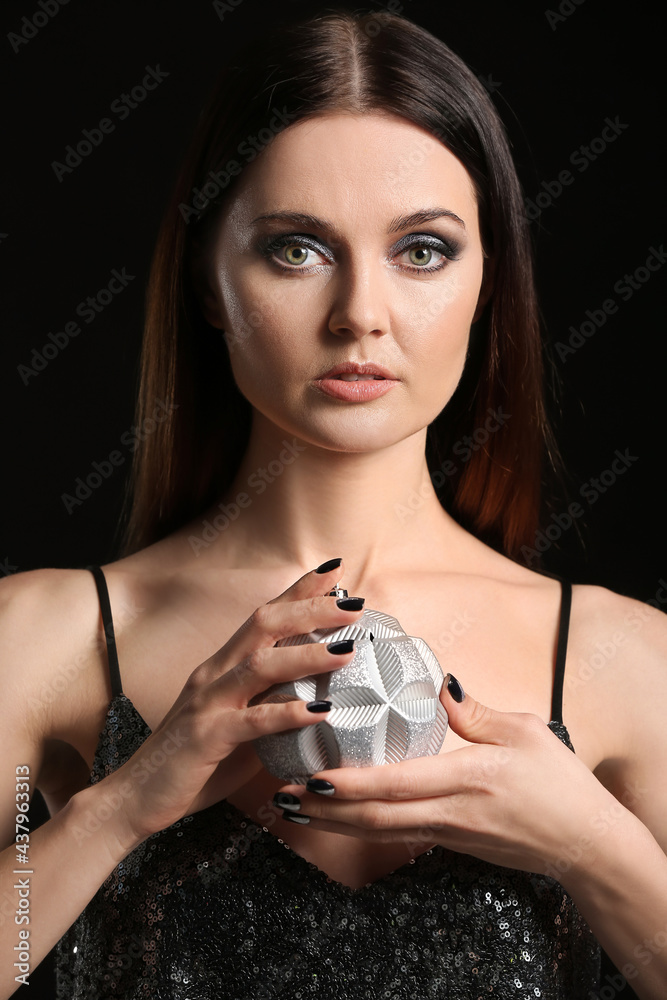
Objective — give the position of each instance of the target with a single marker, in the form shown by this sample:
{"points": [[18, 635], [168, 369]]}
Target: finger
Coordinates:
{"points": [[220, 730], [447, 774], [477, 723], [416, 839], [379, 821], [302, 608], [291, 613], [421, 777], [276, 665], [313, 583]]}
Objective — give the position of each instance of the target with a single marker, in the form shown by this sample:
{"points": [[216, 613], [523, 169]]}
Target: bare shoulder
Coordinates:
{"points": [[613, 634], [49, 635], [617, 674]]}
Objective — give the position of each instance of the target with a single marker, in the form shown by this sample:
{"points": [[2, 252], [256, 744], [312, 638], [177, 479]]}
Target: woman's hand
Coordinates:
{"points": [[518, 798], [187, 765]]}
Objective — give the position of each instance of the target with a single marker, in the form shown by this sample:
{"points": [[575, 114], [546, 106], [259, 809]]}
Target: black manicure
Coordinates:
{"points": [[320, 785], [286, 801], [319, 706], [455, 689], [296, 818], [341, 646], [329, 564], [350, 603]]}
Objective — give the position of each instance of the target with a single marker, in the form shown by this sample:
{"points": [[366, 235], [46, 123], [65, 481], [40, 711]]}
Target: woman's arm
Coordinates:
{"points": [[620, 888], [47, 876], [519, 797], [620, 881], [69, 857]]}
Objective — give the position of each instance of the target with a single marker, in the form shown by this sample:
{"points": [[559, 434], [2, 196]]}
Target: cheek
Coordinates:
{"points": [[262, 333], [441, 329], [255, 335]]}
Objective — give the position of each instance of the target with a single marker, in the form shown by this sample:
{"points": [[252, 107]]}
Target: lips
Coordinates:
{"points": [[366, 370], [356, 382]]}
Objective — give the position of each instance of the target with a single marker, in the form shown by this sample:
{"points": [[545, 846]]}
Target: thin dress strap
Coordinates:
{"points": [[107, 621], [561, 651]]}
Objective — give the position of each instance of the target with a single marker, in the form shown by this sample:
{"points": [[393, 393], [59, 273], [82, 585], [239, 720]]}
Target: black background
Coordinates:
{"points": [[554, 79]]}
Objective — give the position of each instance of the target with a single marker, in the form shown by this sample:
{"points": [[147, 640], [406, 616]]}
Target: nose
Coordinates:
{"points": [[361, 296]]}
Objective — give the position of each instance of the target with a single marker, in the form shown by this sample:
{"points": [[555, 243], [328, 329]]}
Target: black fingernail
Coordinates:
{"points": [[341, 646], [350, 603], [455, 688], [286, 801], [320, 785], [318, 706], [296, 818], [329, 564]]}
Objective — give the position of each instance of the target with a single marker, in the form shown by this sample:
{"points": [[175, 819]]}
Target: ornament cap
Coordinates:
{"points": [[338, 592]]}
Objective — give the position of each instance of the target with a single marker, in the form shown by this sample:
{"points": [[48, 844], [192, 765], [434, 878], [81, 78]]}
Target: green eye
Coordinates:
{"points": [[422, 255], [294, 250], [421, 250]]}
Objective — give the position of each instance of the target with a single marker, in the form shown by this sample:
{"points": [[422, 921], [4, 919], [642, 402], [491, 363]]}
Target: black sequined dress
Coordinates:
{"points": [[215, 907]]}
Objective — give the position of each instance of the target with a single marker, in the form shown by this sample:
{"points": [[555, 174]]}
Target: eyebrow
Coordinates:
{"points": [[397, 224]]}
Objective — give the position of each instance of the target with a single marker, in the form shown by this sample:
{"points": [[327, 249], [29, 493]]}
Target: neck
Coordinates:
{"points": [[296, 503]]}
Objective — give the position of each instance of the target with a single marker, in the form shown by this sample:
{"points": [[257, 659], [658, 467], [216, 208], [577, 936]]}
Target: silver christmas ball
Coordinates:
{"points": [[385, 703]]}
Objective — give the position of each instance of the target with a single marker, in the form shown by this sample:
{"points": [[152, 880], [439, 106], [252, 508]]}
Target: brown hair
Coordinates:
{"points": [[360, 63]]}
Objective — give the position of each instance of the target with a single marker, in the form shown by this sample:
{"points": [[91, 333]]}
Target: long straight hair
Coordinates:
{"points": [[485, 451]]}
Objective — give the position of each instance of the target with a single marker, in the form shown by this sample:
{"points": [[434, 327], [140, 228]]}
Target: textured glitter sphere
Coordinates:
{"points": [[385, 704]]}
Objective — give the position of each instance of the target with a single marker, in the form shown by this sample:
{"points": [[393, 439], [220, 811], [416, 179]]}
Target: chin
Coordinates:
{"points": [[344, 427], [359, 436]]}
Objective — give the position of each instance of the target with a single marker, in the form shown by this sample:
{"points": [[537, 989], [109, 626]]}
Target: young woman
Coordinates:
{"points": [[341, 306]]}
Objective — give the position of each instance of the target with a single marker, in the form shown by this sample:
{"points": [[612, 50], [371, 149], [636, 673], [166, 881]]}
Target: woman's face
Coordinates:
{"points": [[357, 281]]}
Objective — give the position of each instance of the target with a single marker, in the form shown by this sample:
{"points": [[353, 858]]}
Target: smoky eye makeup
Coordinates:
{"points": [[449, 249], [270, 246]]}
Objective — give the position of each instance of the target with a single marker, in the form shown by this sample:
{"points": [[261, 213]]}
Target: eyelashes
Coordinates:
{"points": [[449, 250]]}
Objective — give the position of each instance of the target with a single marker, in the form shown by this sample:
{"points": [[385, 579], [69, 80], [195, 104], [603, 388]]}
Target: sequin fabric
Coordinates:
{"points": [[216, 907]]}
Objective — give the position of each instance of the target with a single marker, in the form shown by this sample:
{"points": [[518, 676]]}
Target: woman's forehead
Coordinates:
{"points": [[344, 167]]}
